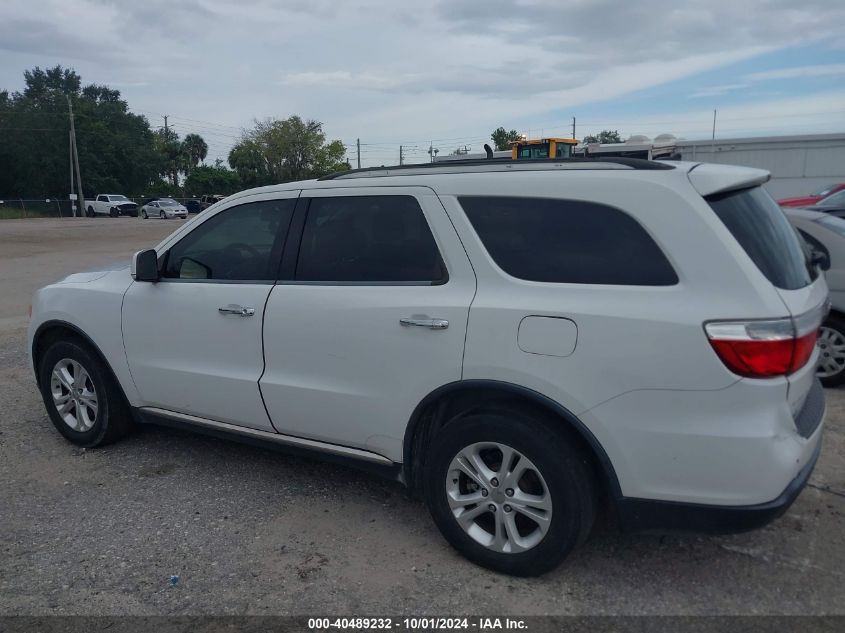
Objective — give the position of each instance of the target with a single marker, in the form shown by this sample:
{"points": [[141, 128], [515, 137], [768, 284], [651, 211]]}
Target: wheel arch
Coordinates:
{"points": [[448, 403], [50, 331]]}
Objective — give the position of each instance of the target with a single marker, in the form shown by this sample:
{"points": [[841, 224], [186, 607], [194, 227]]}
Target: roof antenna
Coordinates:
{"points": [[489, 150]]}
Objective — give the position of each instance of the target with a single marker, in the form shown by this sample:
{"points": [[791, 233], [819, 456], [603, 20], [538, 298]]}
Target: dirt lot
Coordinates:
{"points": [[249, 531]]}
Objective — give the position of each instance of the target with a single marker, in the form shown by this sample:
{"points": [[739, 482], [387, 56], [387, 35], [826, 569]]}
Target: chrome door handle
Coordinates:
{"points": [[234, 308], [432, 324]]}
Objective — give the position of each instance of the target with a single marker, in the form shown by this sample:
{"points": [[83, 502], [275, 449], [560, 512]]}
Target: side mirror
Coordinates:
{"points": [[145, 266], [820, 259]]}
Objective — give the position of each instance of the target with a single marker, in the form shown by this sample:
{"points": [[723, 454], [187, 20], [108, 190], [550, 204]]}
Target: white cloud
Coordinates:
{"points": [[717, 91], [795, 72], [389, 71]]}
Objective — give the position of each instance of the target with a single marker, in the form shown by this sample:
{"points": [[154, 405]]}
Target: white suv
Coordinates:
{"points": [[520, 341]]}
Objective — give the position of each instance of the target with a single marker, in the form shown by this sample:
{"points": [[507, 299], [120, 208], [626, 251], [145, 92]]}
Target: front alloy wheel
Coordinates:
{"points": [[498, 497], [81, 395], [74, 395]]}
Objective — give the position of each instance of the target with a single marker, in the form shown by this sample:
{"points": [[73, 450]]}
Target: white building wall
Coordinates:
{"points": [[799, 164]]}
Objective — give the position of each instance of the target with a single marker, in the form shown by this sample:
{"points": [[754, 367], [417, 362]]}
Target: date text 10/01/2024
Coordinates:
{"points": [[421, 623]]}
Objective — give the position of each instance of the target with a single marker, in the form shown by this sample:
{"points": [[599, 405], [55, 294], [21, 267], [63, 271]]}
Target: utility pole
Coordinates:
{"points": [[358, 145], [80, 201], [400, 154], [70, 162], [165, 126], [713, 139], [573, 127]]}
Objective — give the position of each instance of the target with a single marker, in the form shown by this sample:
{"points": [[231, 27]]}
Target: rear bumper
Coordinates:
{"points": [[646, 515]]}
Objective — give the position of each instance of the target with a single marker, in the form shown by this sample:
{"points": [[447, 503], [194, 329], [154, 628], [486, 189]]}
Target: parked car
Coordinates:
{"points": [[111, 204], [522, 345], [193, 205], [825, 234], [834, 204], [813, 198], [164, 208], [207, 201]]}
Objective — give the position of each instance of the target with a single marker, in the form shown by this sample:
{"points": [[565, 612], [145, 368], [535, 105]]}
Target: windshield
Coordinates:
{"points": [[837, 225], [836, 200], [821, 193]]}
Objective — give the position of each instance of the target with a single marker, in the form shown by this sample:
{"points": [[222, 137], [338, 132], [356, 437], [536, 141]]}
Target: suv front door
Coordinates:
{"points": [[193, 339], [341, 366]]}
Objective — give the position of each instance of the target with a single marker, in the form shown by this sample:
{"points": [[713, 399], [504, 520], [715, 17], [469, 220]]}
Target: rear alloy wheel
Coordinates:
{"points": [[508, 515], [510, 492], [831, 343], [143, 214]]}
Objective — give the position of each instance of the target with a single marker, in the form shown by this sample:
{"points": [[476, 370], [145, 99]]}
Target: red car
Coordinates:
{"points": [[813, 198]]}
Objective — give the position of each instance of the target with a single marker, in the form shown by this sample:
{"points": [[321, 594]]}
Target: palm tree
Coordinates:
{"points": [[194, 151]]}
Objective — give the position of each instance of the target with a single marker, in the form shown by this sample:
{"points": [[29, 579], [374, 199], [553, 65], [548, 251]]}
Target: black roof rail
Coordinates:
{"points": [[633, 163]]}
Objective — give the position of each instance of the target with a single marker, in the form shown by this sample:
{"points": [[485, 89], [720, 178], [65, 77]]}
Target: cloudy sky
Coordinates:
{"points": [[448, 71]]}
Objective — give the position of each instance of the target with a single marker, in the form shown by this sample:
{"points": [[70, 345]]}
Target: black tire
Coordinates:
{"points": [[113, 419], [836, 323], [144, 214], [90, 212], [113, 212], [565, 469]]}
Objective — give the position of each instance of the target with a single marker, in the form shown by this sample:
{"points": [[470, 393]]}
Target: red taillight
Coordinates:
{"points": [[762, 349]]}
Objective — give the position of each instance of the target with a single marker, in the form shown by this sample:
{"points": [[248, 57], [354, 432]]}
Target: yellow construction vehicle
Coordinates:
{"points": [[551, 148]]}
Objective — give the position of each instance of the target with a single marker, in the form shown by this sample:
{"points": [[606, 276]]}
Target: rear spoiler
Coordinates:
{"points": [[710, 178]]}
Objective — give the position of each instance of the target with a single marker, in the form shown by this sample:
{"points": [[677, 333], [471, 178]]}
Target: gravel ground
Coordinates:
{"points": [[251, 531]]}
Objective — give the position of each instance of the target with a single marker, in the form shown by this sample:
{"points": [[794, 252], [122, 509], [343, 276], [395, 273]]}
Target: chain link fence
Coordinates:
{"points": [[17, 208]]}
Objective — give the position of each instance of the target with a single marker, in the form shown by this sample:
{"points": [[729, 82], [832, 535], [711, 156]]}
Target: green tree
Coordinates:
{"points": [[118, 152], [216, 178], [284, 150], [115, 147], [605, 136], [502, 138]]}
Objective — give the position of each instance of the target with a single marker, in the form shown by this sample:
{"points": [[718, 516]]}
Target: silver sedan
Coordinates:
{"points": [[164, 208]]}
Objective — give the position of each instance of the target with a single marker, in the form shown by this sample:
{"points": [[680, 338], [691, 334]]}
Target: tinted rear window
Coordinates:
{"points": [[567, 241], [761, 228]]}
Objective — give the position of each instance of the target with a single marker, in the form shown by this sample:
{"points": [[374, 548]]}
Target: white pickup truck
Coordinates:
{"points": [[110, 204]]}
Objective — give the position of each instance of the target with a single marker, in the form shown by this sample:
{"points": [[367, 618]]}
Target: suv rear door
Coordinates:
{"points": [[368, 318]]}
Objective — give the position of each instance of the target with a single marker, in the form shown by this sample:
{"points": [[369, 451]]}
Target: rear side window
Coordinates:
{"points": [[567, 241], [368, 239], [761, 228]]}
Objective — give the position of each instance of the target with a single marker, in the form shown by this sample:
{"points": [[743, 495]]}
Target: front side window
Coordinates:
{"points": [[239, 244], [368, 239], [567, 241]]}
